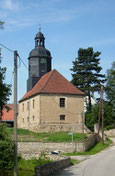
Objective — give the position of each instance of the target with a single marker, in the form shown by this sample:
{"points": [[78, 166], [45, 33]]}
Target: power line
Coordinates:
{"points": [[22, 62], [64, 108], [6, 48], [11, 78]]}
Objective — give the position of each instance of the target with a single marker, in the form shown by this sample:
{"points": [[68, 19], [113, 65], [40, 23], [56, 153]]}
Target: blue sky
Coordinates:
{"points": [[67, 26]]}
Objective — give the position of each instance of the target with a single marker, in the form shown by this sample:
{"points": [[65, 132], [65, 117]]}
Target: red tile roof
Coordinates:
{"points": [[53, 82], [8, 114]]}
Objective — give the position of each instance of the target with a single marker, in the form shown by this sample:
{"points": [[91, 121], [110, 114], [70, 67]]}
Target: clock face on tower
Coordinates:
{"points": [[43, 65], [43, 60]]}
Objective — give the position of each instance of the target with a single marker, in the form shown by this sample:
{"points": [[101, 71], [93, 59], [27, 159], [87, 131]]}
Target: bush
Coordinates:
{"points": [[33, 162], [6, 149]]}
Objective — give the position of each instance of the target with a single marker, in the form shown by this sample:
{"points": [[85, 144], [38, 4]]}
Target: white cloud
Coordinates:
{"points": [[43, 13], [9, 4]]}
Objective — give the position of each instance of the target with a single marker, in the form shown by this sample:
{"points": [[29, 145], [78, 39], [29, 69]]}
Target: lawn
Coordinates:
{"points": [[30, 136]]}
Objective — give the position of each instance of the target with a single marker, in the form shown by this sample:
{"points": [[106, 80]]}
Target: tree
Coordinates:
{"points": [[86, 72], [6, 149], [110, 88], [5, 90], [1, 25], [92, 117]]}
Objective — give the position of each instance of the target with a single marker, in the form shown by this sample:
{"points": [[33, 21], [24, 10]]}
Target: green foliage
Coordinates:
{"points": [[86, 72], [6, 149], [92, 117], [20, 173], [1, 25], [4, 89], [32, 163], [74, 161], [110, 88]]}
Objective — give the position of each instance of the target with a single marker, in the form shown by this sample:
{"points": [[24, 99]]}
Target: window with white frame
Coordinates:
{"points": [[28, 119], [28, 105], [33, 103], [62, 102], [62, 117], [23, 107]]}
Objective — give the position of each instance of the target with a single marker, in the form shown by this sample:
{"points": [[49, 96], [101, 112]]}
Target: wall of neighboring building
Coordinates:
{"points": [[47, 115]]}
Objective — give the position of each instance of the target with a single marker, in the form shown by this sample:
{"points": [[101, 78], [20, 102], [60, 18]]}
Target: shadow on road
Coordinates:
{"points": [[66, 172]]}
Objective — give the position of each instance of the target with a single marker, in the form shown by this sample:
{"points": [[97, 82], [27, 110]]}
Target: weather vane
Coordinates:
{"points": [[39, 27]]}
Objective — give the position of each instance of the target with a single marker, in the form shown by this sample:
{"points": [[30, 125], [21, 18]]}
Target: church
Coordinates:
{"points": [[51, 103]]}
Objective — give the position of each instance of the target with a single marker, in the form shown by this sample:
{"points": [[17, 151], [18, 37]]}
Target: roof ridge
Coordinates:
{"points": [[47, 80]]}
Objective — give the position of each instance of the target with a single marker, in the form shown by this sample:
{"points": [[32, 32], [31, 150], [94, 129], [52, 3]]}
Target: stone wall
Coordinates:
{"points": [[52, 168], [110, 132], [60, 127], [91, 141], [34, 149]]}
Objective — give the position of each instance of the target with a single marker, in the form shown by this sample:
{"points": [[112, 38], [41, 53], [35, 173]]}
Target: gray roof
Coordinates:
{"points": [[40, 51], [39, 35]]}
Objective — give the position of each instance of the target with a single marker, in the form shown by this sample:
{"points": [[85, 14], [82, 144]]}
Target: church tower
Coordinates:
{"points": [[39, 61]]}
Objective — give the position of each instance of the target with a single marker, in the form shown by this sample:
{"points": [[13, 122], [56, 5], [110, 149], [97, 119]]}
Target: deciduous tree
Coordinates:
{"points": [[110, 88], [1, 24], [5, 90]]}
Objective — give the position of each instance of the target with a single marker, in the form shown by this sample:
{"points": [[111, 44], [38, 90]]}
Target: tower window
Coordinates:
{"points": [[62, 102], [62, 117], [33, 118]]}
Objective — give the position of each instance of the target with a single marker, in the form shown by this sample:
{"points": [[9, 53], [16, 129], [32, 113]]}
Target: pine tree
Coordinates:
{"points": [[110, 86], [86, 72]]}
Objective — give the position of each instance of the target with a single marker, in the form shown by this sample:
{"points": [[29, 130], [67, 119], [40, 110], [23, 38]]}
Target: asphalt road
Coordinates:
{"points": [[102, 164]]}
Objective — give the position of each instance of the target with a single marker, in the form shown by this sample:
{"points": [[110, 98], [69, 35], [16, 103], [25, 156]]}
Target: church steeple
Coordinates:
{"points": [[39, 61], [39, 39]]}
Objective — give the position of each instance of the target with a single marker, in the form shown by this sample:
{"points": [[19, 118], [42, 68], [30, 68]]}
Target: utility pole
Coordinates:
{"points": [[99, 113], [15, 113], [0, 107], [102, 110]]}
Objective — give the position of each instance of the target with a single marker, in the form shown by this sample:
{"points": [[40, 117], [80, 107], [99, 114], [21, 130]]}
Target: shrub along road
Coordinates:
{"points": [[102, 164]]}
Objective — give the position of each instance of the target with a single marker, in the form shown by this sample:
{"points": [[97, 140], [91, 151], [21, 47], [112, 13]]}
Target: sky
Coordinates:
{"points": [[67, 26]]}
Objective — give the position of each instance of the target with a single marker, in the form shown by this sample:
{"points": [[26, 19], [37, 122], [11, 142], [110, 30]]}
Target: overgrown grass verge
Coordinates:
{"points": [[30, 136], [29, 165], [97, 148], [75, 161]]}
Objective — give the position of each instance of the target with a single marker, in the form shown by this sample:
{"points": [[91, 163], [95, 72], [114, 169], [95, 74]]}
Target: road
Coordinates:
{"points": [[102, 164]]}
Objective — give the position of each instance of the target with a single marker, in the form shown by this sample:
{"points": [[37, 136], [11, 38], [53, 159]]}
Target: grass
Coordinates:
{"points": [[97, 148], [30, 136], [33, 162], [74, 161]]}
